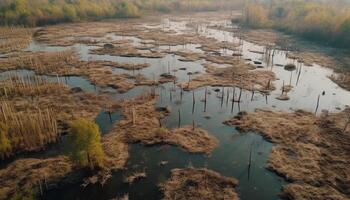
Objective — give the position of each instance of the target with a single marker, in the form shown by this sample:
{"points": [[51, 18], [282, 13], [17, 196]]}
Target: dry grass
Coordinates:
{"points": [[238, 75], [194, 140], [16, 85], [127, 51], [52, 63], [13, 39], [67, 63], [311, 151], [28, 174], [116, 152], [28, 130], [65, 103], [198, 184], [141, 123], [342, 79]]}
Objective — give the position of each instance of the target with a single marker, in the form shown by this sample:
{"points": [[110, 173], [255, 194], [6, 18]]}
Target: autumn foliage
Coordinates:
{"points": [[85, 141], [326, 23]]}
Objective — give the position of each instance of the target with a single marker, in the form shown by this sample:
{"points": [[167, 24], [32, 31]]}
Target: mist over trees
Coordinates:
{"points": [[326, 22]]}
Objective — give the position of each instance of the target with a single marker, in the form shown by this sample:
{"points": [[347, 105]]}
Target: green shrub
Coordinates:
{"points": [[85, 144]]}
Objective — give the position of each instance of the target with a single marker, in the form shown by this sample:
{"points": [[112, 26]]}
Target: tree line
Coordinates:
{"points": [[42, 12], [328, 23]]}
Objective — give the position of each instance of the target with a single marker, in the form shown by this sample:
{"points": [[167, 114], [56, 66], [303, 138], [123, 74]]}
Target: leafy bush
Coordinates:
{"points": [[85, 141]]}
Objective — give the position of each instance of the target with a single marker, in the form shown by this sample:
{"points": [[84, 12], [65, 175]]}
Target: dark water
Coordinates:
{"points": [[232, 156]]}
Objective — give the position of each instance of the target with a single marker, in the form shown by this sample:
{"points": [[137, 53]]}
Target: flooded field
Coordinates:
{"points": [[174, 70]]}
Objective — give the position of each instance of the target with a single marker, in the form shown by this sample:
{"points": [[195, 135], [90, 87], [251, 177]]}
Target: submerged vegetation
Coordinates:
{"points": [[324, 22]]}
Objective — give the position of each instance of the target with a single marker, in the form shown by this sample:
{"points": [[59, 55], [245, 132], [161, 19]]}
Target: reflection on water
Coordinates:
{"points": [[231, 158]]}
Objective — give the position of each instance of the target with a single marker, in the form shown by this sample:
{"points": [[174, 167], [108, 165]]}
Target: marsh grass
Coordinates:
{"points": [[191, 183], [16, 85], [27, 130], [14, 38]]}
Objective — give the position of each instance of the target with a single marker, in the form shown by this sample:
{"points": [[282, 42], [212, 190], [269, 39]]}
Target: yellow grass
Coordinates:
{"points": [[28, 131], [14, 39], [238, 75], [203, 184], [30, 173]]}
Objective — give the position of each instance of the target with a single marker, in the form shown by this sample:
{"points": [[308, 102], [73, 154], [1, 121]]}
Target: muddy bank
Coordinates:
{"points": [[239, 75], [142, 123], [311, 152], [193, 183]]}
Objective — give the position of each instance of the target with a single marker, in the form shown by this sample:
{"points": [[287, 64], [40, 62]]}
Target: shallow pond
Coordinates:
{"points": [[232, 156]]}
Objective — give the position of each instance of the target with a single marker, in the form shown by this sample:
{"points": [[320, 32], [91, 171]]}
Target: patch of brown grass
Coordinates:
{"points": [[13, 39], [342, 79], [141, 123], [192, 183], [28, 174], [28, 86], [311, 151], [116, 152], [28, 130], [67, 63], [238, 75]]}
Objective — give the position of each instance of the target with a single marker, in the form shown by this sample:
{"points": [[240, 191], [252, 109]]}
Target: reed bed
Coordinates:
{"points": [[51, 63], [14, 39], [28, 130], [16, 85]]}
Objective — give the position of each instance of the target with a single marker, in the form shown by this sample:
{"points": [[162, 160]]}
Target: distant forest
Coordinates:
{"points": [[41, 12], [327, 22]]}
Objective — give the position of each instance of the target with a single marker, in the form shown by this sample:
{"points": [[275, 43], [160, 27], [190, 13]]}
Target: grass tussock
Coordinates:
{"points": [[312, 152], [24, 177], [192, 183], [342, 79]]}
